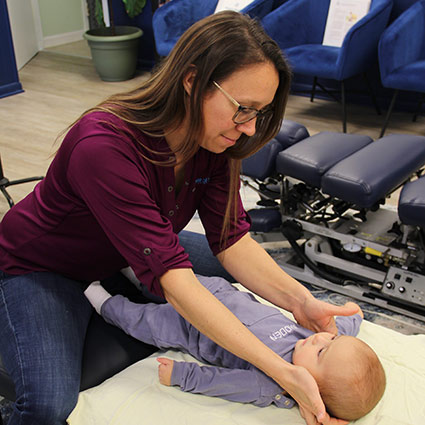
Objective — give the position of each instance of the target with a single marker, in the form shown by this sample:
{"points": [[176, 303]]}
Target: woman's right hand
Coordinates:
{"points": [[300, 384]]}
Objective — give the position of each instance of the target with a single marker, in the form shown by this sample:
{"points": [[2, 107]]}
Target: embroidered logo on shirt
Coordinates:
{"points": [[202, 180], [282, 332]]}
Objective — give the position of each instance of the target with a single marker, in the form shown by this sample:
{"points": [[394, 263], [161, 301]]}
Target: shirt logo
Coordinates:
{"points": [[282, 332], [202, 180]]}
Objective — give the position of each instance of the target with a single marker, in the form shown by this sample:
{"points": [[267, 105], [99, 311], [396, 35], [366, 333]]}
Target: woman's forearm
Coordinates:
{"points": [[253, 267], [204, 311]]}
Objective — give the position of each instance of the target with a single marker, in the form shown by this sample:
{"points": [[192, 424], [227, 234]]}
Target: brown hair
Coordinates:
{"points": [[216, 46], [356, 390]]}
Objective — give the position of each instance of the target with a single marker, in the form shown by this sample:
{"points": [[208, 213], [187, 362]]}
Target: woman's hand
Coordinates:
{"points": [[310, 419], [303, 388], [165, 370], [253, 267], [318, 316]]}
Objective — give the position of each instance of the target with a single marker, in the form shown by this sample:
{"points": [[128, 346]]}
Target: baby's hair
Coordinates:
{"points": [[354, 390]]}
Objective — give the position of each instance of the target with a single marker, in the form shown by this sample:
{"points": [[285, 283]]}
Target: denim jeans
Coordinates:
{"points": [[200, 255], [43, 323]]}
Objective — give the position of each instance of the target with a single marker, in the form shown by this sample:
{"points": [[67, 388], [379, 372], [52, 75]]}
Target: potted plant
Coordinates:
{"points": [[114, 48]]}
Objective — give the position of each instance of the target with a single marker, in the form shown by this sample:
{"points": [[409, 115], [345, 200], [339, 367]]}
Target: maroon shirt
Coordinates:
{"points": [[102, 206]]}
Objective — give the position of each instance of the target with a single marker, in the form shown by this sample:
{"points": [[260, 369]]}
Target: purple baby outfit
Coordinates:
{"points": [[234, 379]]}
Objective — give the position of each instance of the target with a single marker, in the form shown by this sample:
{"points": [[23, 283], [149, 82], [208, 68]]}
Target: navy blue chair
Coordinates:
{"points": [[401, 55], [298, 27], [171, 20]]}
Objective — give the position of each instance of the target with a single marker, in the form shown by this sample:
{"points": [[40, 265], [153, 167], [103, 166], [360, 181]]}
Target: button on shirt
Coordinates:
{"points": [[102, 206]]}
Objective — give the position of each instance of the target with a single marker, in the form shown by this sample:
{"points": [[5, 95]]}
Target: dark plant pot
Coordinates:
{"points": [[114, 51]]}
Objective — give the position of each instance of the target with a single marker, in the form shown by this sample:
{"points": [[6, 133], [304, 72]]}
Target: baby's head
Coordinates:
{"points": [[349, 374]]}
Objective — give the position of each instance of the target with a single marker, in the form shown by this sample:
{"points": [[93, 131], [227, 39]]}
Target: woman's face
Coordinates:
{"points": [[253, 86]]}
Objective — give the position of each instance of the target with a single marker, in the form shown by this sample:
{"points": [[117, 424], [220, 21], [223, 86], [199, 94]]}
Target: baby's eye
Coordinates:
{"points": [[318, 354]]}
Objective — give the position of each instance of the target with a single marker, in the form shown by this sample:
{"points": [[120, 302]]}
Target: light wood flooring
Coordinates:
{"points": [[60, 83]]}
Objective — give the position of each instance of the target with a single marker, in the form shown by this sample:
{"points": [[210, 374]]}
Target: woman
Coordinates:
{"points": [[127, 178]]}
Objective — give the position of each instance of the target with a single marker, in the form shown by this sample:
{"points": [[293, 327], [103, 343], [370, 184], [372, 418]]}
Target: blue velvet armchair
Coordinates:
{"points": [[401, 55], [171, 20], [298, 27]]}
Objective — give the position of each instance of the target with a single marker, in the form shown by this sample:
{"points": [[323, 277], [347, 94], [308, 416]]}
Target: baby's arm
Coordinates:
{"points": [[350, 325], [241, 385]]}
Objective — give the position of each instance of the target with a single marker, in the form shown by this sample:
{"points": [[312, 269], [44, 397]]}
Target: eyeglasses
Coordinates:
{"points": [[244, 113]]}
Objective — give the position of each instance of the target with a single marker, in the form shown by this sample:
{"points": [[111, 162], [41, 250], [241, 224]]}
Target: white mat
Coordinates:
{"points": [[135, 396]]}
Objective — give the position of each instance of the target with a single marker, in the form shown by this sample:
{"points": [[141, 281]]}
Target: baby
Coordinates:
{"points": [[350, 376]]}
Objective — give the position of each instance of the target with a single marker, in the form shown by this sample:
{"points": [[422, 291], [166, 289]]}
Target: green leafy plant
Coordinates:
{"points": [[132, 7]]}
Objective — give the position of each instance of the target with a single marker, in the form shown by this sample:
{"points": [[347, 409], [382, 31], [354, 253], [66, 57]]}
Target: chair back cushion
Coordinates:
{"points": [[172, 19], [402, 44]]}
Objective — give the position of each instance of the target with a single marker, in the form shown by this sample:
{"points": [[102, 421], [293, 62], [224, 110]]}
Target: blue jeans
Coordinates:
{"points": [[201, 257], [43, 323]]}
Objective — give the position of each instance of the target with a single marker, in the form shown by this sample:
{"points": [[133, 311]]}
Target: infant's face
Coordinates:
{"points": [[321, 351]]}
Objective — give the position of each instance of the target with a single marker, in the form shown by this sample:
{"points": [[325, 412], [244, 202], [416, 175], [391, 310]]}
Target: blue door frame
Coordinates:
{"points": [[9, 79]]}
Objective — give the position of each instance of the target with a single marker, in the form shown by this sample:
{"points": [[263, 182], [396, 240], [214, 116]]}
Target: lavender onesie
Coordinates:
{"points": [[231, 378]]}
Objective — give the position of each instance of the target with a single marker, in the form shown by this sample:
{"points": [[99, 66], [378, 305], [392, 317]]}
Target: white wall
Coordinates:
{"points": [[37, 24], [62, 21], [26, 30]]}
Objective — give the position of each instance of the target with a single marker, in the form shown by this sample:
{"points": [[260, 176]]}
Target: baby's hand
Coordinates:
{"points": [[351, 304], [165, 369]]}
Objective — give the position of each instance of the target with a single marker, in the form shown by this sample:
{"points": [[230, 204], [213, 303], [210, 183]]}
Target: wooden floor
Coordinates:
{"points": [[60, 84]]}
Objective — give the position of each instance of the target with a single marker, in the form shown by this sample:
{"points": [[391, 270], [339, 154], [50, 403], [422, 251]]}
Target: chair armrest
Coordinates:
{"points": [[403, 41], [359, 49]]}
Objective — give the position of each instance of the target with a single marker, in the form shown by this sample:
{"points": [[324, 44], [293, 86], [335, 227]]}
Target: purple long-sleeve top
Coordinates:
{"points": [[234, 379], [103, 206]]}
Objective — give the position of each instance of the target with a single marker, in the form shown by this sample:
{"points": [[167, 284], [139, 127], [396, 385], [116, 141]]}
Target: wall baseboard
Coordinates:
{"points": [[57, 40], [10, 89]]}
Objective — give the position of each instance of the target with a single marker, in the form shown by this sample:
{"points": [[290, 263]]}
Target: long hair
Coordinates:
{"points": [[216, 47]]}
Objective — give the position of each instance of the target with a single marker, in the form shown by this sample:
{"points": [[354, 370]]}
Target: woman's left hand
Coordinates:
{"points": [[318, 316], [301, 385]]}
